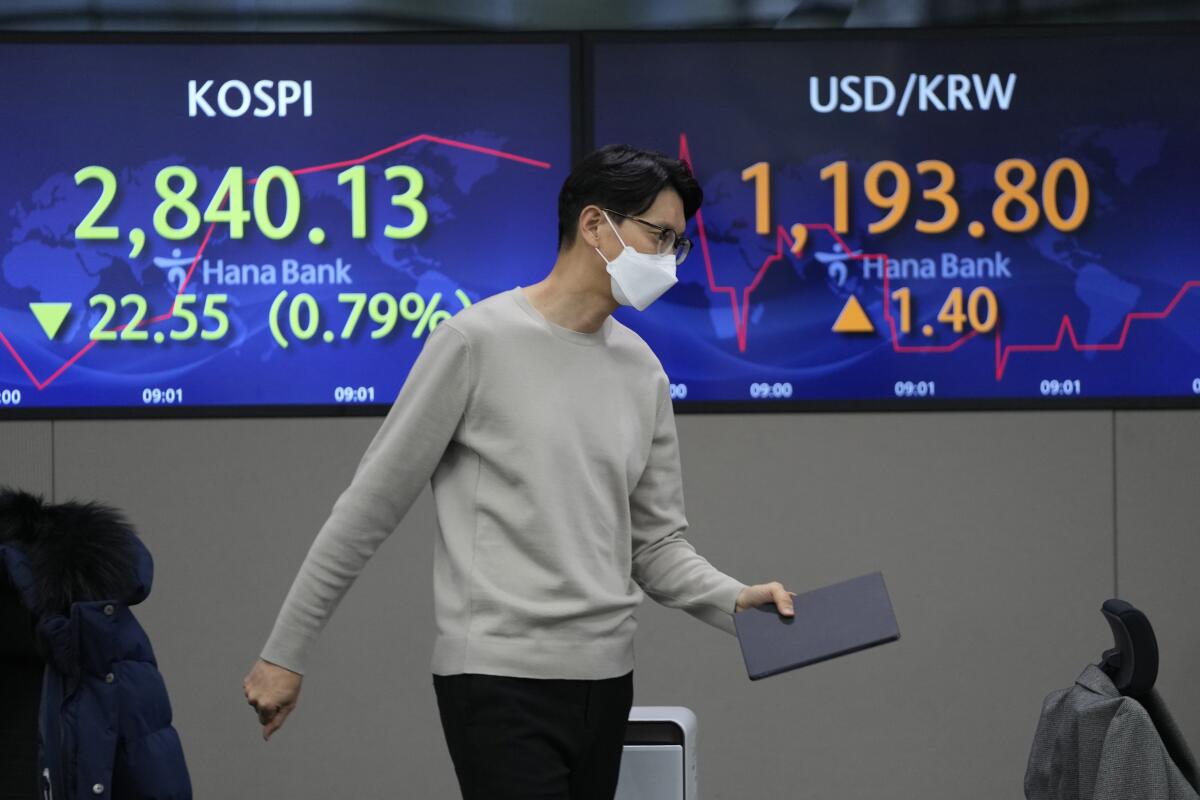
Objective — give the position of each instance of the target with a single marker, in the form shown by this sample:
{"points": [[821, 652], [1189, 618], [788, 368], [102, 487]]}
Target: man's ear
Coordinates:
{"points": [[590, 220]]}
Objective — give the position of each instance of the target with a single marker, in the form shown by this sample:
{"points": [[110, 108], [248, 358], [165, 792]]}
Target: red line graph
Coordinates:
{"points": [[1003, 352], [423, 137]]}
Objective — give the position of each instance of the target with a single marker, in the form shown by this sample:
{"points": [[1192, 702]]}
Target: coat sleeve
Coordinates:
{"points": [[395, 467], [665, 564], [1134, 762], [1041, 780]]}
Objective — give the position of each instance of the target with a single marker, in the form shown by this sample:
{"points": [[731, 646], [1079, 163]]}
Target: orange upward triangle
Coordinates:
{"points": [[853, 319]]}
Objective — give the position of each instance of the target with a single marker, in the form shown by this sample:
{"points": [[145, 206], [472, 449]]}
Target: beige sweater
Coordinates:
{"points": [[555, 469]]}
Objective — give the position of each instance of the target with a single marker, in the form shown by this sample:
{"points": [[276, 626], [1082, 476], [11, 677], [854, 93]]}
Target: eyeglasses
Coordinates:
{"points": [[668, 240]]}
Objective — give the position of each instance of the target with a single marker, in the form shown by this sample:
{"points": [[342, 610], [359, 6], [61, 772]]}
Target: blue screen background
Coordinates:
{"points": [[491, 225], [1126, 108], [1106, 313]]}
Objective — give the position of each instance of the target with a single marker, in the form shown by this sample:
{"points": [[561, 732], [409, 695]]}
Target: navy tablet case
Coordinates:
{"points": [[831, 621]]}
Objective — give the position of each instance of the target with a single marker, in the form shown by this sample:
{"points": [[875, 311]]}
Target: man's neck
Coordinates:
{"points": [[562, 297]]}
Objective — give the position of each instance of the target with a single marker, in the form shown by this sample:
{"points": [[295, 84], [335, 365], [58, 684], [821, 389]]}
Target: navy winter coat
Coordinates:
{"points": [[104, 723]]}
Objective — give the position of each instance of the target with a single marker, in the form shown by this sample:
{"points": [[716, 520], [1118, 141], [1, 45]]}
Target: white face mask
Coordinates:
{"points": [[638, 279]]}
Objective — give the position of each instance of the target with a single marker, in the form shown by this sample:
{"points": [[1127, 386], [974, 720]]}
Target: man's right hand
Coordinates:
{"points": [[273, 692]]}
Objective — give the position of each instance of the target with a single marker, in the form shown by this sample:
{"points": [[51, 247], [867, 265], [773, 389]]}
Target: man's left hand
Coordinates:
{"points": [[773, 592]]}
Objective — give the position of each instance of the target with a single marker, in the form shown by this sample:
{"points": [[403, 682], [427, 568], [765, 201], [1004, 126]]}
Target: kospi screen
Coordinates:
{"points": [[248, 223], [923, 218]]}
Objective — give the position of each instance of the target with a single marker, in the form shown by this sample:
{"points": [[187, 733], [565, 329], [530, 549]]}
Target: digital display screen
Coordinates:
{"points": [[948, 218], [276, 223], [923, 218]]}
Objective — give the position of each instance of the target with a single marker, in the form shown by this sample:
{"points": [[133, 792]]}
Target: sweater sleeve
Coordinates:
{"points": [[665, 564], [397, 464]]}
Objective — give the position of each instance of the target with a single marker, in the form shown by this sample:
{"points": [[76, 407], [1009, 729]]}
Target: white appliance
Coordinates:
{"points": [[659, 759]]}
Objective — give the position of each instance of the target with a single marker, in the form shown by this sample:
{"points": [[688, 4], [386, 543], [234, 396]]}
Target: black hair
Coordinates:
{"points": [[627, 180]]}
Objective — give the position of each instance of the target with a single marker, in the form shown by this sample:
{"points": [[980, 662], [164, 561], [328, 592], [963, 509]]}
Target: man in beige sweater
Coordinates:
{"points": [[546, 428]]}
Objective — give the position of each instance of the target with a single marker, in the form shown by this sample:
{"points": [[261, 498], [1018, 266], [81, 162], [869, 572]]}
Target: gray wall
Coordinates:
{"points": [[1000, 534]]}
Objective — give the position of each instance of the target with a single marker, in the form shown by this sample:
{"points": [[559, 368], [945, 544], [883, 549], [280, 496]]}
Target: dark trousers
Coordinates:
{"points": [[532, 738]]}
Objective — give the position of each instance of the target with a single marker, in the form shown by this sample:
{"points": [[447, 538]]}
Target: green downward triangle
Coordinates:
{"points": [[50, 315]]}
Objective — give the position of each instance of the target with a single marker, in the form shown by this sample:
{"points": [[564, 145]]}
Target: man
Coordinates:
{"points": [[546, 428]]}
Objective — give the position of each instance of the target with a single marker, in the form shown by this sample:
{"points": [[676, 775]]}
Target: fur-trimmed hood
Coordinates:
{"points": [[104, 723], [59, 554]]}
